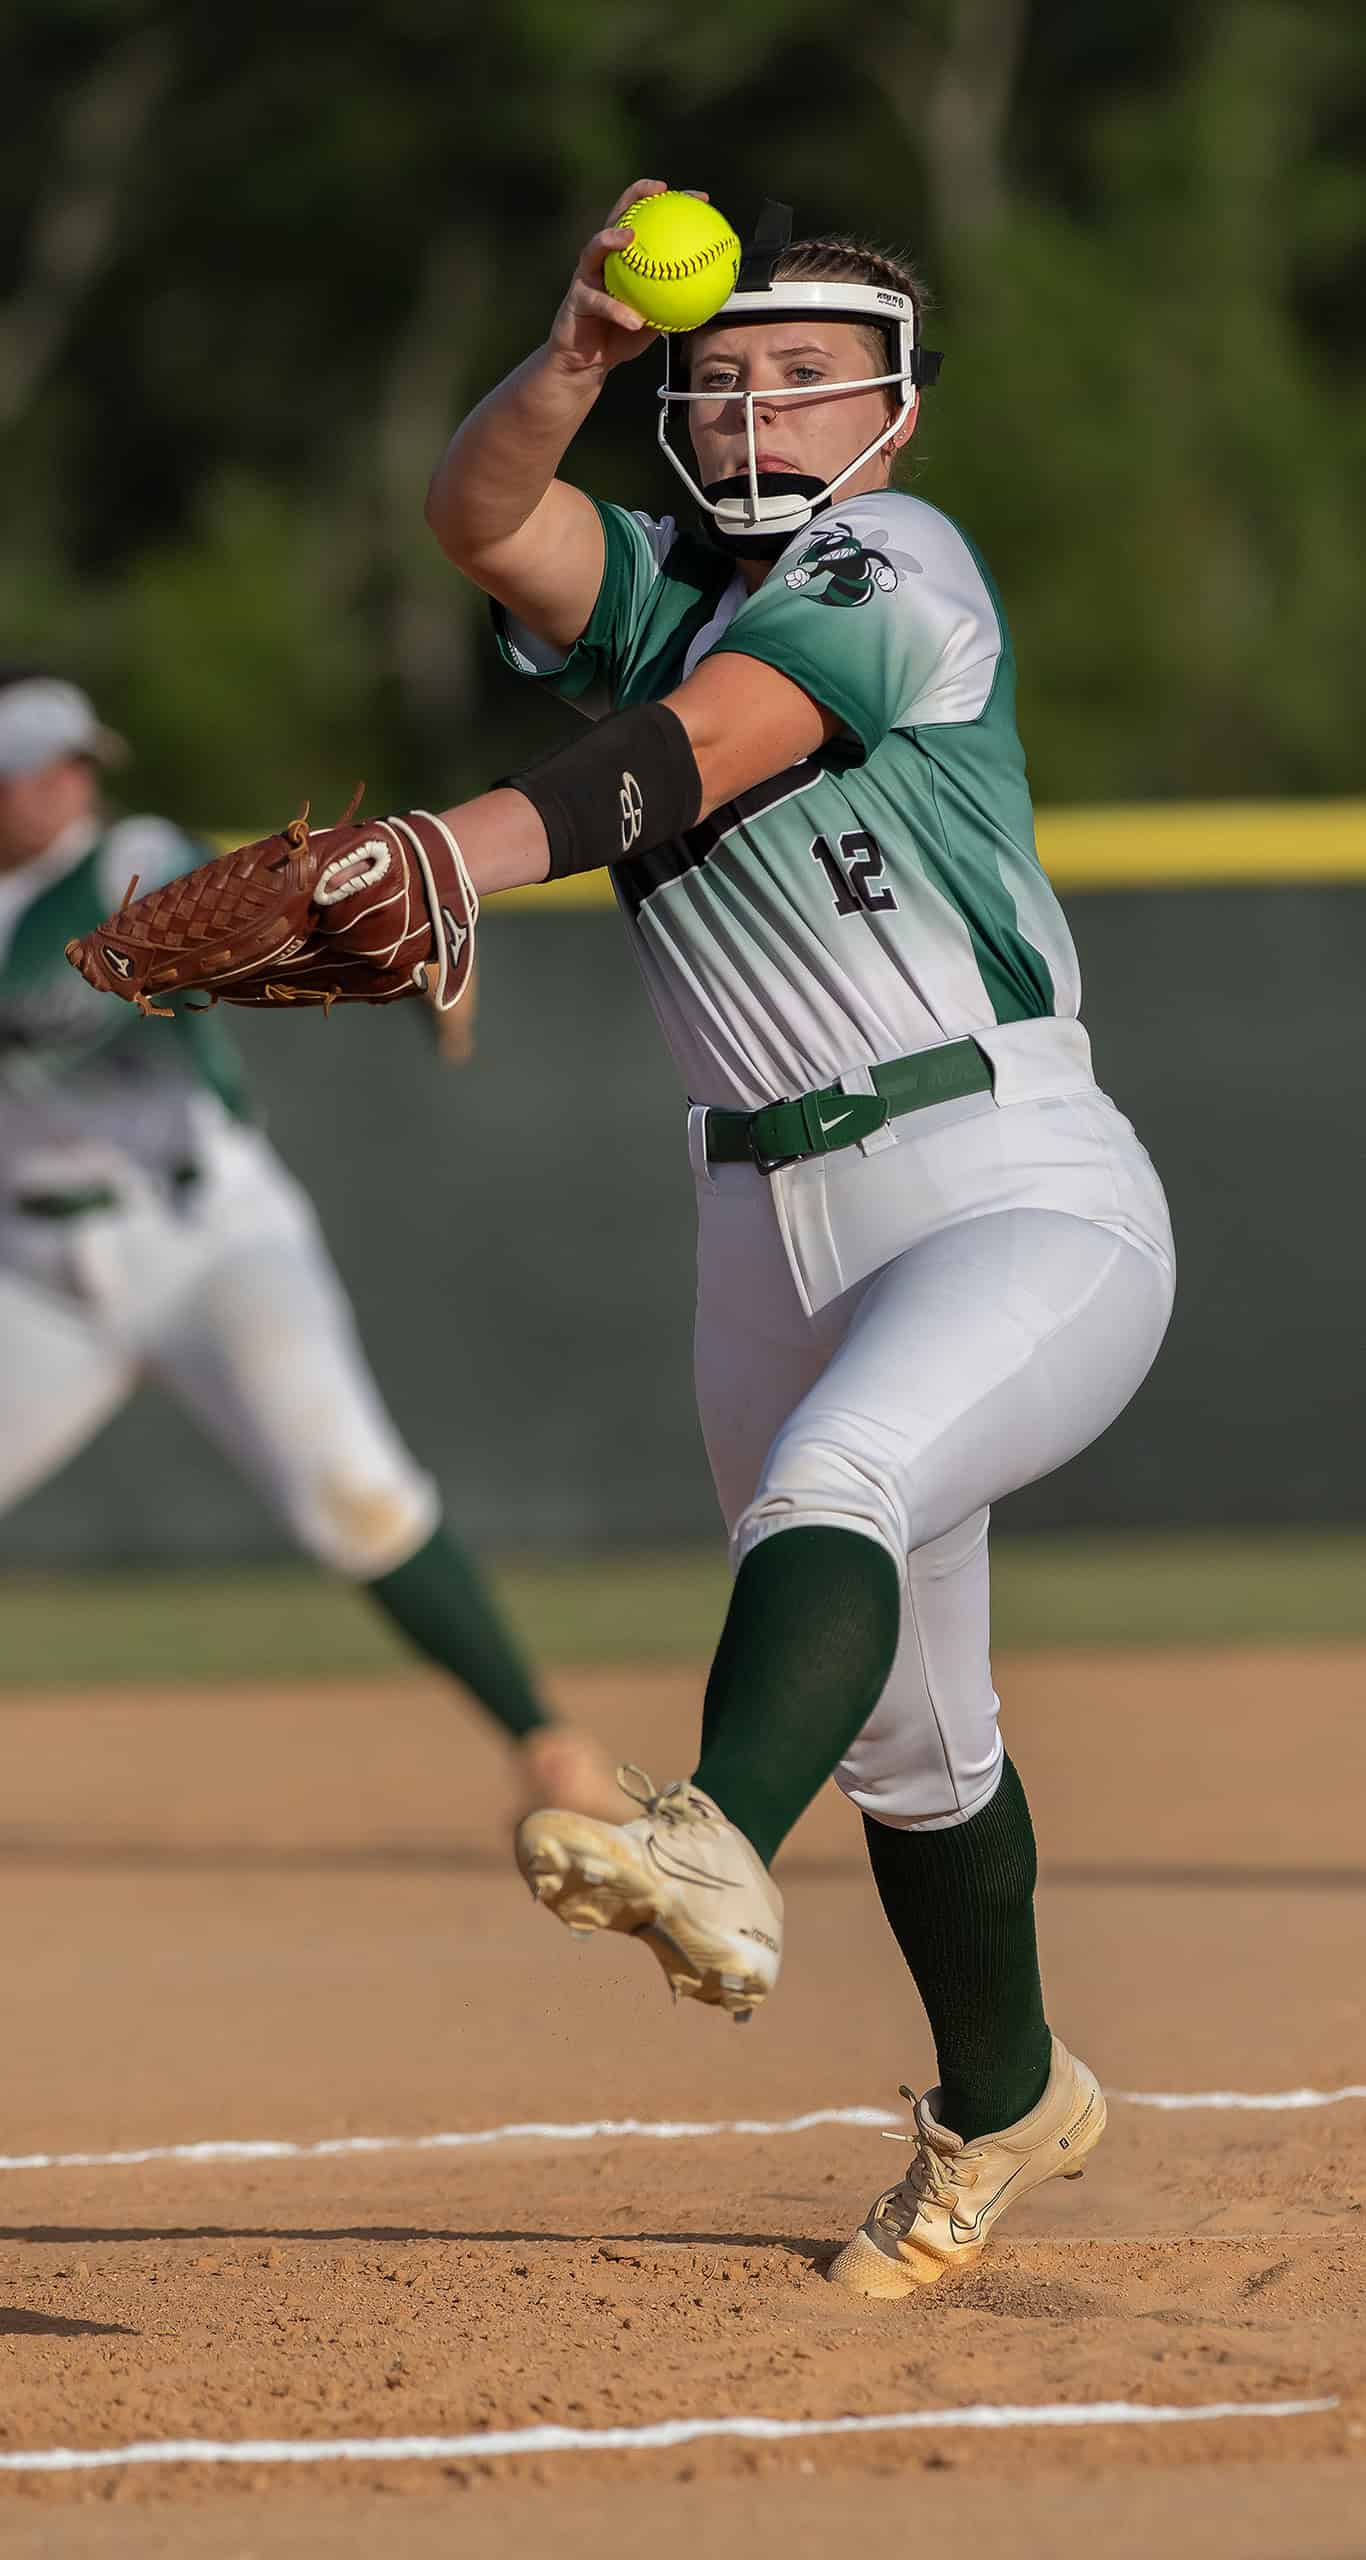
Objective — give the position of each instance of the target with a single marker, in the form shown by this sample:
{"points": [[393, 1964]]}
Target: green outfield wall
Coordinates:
{"points": [[518, 1234]]}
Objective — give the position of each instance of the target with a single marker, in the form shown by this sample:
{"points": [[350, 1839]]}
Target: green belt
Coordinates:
{"points": [[96, 1195], [817, 1123]]}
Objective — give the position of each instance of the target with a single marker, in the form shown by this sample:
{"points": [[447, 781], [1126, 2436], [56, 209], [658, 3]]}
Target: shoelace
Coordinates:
{"points": [[678, 1802], [933, 2177]]}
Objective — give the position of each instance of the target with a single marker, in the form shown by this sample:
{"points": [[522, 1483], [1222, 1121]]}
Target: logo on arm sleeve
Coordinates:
{"points": [[632, 811], [850, 569]]}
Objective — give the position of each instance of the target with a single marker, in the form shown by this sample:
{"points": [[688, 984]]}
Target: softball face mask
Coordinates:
{"points": [[757, 512]]}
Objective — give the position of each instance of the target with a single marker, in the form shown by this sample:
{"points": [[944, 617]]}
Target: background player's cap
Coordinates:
{"points": [[42, 718]]}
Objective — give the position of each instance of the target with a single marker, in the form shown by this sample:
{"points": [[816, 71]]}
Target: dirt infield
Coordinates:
{"points": [[288, 1914]]}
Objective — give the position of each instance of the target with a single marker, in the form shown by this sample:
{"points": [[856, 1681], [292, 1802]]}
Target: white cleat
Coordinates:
{"points": [[940, 2215], [680, 1877]]}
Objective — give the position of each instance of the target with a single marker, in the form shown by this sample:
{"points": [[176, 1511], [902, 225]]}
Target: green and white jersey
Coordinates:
{"points": [[80, 1070], [884, 894]]}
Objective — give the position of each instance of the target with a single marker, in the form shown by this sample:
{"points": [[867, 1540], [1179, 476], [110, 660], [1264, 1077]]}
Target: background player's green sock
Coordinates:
{"points": [[808, 1643], [961, 1907], [441, 1602]]}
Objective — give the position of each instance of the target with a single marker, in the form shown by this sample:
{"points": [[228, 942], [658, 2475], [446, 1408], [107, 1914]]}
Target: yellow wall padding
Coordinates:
{"points": [[1163, 844]]}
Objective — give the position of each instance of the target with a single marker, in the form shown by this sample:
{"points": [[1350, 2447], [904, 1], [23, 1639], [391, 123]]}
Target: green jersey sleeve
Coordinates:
{"points": [[881, 614], [598, 657], [660, 589]]}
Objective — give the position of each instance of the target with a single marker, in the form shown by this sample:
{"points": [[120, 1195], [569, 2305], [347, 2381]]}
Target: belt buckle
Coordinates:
{"points": [[770, 1164], [830, 1119]]}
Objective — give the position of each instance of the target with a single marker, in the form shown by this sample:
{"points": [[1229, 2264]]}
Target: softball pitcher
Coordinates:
{"points": [[934, 1260], [146, 1229]]}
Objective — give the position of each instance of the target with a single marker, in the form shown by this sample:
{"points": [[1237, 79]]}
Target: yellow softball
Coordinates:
{"points": [[681, 264]]}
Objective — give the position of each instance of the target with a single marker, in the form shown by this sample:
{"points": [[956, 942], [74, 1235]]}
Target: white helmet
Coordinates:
{"points": [[757, 512]]}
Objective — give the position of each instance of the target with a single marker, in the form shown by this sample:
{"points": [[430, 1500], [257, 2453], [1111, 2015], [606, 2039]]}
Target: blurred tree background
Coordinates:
{"points": [[258, 261]]}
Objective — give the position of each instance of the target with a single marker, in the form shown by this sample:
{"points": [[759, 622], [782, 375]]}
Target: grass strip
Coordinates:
{"points": [[289, 1622]]}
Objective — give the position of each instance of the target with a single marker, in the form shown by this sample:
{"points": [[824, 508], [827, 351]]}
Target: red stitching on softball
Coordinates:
{"points": [[660, 271], [679, 267]]}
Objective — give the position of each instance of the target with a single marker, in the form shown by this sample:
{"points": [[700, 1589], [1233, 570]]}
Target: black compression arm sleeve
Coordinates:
{"points": [[630, 783]]}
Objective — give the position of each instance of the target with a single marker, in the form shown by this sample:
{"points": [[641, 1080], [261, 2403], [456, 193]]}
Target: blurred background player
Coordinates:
{"points": [[148, 1230]]}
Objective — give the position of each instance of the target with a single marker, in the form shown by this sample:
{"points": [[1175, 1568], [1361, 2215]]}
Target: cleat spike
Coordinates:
{"points": [[737, 1998]]}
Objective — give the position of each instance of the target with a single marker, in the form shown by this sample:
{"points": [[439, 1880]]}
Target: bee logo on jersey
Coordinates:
{"points": [[853, 570]]}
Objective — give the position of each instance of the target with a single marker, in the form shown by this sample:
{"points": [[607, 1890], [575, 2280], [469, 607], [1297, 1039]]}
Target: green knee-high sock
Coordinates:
{"points": [[961, 1907], [804, 1656], [440, 1601]]}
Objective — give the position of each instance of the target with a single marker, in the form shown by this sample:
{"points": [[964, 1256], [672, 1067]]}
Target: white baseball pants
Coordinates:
{"points": [[996, 1343], [228, 1298]]}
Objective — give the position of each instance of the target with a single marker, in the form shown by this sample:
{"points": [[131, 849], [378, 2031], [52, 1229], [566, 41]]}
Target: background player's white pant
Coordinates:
{"points": [[227, 1296], [988, 1351]]}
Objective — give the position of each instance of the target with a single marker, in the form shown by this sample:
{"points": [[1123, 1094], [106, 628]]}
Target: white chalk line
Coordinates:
{"points": [[350, 2145], [496, 2445], [1257, 2101], [617, 2129]]}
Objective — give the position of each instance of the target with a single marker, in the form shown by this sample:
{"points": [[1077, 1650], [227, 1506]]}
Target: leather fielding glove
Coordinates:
{"points": [[349, 914]]}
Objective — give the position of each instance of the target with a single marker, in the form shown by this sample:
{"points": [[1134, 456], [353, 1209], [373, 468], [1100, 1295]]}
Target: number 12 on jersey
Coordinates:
{"points": [[853, 873]]}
